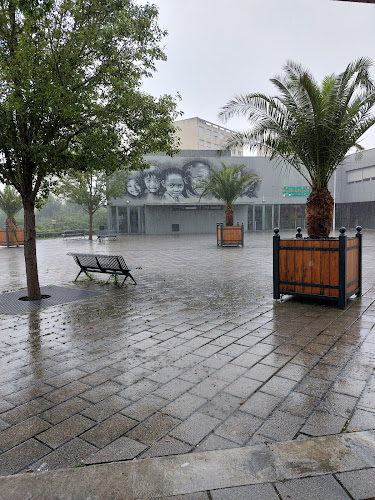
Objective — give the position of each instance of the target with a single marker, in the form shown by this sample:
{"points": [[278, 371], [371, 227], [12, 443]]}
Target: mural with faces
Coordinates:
{"points": [[167, 184]]}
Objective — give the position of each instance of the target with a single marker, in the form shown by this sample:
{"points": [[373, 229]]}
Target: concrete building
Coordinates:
{"points": [[198, 134], [164, 199]]}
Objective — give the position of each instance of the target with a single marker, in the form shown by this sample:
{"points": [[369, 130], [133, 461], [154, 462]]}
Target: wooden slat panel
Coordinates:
{"points": [[306, 265], [298, 264], [316, 266], [290, 266], [324, 268]]}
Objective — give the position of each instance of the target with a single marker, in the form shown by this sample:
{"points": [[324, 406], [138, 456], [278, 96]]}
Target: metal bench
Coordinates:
{"points": [[106, 233], [106, 264], [73, 233]]}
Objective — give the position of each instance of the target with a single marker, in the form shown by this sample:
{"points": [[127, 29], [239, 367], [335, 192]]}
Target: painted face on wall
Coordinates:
{"points": [[174, 185], [133, 187], [198, 173], [152, 183]]}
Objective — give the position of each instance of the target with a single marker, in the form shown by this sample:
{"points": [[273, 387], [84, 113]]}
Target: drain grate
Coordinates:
{"points": [[10, 303]]}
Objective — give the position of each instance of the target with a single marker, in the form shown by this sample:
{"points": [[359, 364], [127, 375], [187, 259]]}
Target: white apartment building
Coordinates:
{"points": [[198, 134]]}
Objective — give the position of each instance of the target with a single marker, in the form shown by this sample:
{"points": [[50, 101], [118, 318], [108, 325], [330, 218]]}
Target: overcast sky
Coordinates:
{"points": [[217, 48]]}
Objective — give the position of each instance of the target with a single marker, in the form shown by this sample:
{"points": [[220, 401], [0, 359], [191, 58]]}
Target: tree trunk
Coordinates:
{"points": [[229, 216], [319, 213], [33, 288], [90, 225]]}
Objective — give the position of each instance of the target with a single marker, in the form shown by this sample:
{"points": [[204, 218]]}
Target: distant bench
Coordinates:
{"points": [[114, 265], [74, 233], [106, 233]]}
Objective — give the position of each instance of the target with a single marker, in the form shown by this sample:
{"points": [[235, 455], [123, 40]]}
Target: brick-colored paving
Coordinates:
{"points": [[196, 357]]}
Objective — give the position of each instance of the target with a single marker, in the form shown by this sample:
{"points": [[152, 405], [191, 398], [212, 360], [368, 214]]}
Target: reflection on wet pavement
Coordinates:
{"points": [[196, 357]]}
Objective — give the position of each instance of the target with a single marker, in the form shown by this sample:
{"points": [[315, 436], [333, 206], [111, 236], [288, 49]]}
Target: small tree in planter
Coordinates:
{"points": [[312, 127], [10, 204], [227, 184]]}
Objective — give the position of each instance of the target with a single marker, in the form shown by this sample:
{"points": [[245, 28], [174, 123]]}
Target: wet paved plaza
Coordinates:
{"points": [[196, 357]]}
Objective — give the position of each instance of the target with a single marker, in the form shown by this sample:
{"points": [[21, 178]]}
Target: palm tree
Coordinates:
{"points": [[227, 184], [10, 203], [310, 127]]}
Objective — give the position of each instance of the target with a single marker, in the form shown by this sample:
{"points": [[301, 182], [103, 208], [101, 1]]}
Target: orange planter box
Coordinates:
{"points": [[329, 269], [7, 237], [229, 236]]}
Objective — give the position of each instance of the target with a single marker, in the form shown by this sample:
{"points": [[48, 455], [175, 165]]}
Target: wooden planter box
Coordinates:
{"points": [[7, 238], [327, 269], [229, 236]]}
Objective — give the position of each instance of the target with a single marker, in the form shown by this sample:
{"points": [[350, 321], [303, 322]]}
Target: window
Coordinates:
{"points": [[201, 143], [208, 144], [355, 175], [368, 173], [208, 132], [201, 130]]}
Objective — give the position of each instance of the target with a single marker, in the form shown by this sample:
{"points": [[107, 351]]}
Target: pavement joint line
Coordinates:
{"points": [[160, 477]]}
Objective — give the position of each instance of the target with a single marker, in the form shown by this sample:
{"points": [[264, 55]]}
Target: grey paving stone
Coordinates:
{"points": [[184, 405], [360, 483], [243, 387], [139, 389], [173, 389], [361, 421], [21, 432], [247, 360], [189, 496], [230, 372], [166, 446], [348, 386], [100, 376], [321, 487], [105, 408], [66, 377], [5, 405], [279, 386], [221, 406], [145, 407], [64, 410], [197, 373], [299, 404], [122, 448], [338, 404], [102, 391], [234, 350], [108, 430], [72, 453], [261, 404], [188, 361], [67, 391], [216, 361], [208, 387], [323, 423], [66, 430], [22, 412], [214, 442], [281, 426], [165, 374], [21, 456], [261, 372], [239, 427], [195, 428], [250, 492], [313, 386], [153, 428], [132, 376], [325, 371], [293, 371]]}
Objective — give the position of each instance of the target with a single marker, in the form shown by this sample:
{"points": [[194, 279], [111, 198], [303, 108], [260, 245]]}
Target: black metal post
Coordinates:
{"points": [[342, 268], [299, 232], [359, 236], [242, 235], [276, 241]]}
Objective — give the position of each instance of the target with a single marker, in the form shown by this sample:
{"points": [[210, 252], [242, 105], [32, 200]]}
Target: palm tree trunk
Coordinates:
{"points": [[229, 216], [33, 288], [319, 213]]}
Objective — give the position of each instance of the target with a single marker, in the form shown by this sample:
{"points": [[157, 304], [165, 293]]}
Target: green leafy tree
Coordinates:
{"points": [[227, 184], [10, 202], [310, 127], [92, 190], [68, 69]]}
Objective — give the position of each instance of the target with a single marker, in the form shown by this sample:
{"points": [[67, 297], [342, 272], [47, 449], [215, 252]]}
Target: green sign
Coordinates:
{"points": [[296, 191]]}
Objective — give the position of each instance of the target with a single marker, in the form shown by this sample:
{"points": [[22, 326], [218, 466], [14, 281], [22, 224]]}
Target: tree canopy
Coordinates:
{"points": [[70, 78], [309, 126]]}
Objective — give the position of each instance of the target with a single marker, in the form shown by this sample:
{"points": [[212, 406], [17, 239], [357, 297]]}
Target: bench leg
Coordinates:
{"points": [[129, 275], [78, 275]]}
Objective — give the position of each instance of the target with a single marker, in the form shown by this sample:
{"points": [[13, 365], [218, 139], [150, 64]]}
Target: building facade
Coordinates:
{"points": [[164, 199], [198, 134]]}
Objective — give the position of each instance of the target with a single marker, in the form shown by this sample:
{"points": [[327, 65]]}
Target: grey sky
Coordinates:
{"points": [[217, 48]]}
